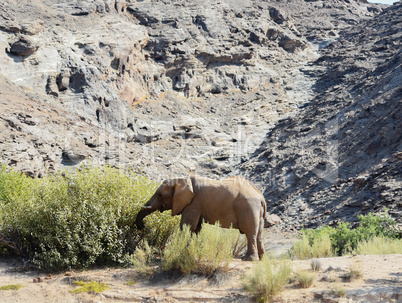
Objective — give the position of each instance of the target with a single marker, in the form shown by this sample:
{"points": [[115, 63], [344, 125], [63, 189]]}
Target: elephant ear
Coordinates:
{"points": [[183, 194]]}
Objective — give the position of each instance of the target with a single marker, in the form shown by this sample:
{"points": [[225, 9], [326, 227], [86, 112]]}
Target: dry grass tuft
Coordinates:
{"points": [[268, 278], [305, 278]]}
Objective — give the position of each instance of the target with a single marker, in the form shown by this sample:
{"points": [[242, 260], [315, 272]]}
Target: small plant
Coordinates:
{"points": [[340, 292], [354, 273], [268, 277], [130, 283], [143, 258], [315, 264], [11, 287], [90, 287], [305, 278], [209, 250], [239, 246], [379, 246]]}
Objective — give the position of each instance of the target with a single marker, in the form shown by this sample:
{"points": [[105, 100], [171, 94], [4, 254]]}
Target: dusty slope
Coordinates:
{"points": [[341, 155]]}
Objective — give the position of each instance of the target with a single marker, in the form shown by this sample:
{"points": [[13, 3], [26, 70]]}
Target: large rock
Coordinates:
{"points": [[24, 46]]}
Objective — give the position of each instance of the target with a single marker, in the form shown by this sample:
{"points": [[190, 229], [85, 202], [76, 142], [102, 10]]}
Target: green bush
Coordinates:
{"points": [[209, 250], [343, 238], [76, 219], [268, 277]]}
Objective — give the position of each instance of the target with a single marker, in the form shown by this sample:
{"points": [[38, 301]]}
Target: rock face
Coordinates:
{"points": [[178, 87], [341, 155]]}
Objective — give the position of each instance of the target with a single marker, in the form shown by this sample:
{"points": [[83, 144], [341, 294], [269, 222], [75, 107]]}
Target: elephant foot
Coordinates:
{"points": [[248, 257]]}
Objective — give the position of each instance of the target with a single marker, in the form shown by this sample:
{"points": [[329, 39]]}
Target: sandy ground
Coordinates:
{"points": [[381, 282]]}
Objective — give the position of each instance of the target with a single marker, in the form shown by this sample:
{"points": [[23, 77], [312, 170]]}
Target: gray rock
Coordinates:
{"points": [[24, 46]]}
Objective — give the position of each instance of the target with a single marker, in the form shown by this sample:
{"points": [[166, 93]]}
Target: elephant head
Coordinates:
{"points": [[173, 194]]}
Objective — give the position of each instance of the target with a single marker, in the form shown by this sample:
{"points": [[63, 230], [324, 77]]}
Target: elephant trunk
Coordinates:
{"points": [[145, 211], [139, 222]]}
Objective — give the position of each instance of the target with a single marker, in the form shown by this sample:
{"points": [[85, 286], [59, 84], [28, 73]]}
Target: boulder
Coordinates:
{"points": [[24, 46], [271, 220]]}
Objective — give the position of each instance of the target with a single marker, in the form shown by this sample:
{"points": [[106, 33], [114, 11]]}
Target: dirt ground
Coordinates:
{"points": [[381, 282]]}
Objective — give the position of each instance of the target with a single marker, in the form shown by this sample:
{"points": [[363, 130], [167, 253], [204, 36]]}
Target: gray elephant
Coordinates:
{"points": [[233, 201]]}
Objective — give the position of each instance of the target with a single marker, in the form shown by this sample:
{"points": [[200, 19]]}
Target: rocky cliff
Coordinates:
{"points": [[341, 155], [178, 87]]}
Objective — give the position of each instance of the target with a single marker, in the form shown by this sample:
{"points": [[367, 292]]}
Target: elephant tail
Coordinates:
{"points": [[264, 208]]}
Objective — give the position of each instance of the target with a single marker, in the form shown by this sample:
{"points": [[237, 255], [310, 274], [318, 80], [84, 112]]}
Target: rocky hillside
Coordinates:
{"points": [[341, 155], [177, 87]]}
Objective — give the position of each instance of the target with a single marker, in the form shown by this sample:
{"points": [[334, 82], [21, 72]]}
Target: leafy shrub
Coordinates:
{"points": [[268, 277], [209, 250], [158, 227], [90, 287], [343, 239], [76, 220], [379, 246], [305, 278]]}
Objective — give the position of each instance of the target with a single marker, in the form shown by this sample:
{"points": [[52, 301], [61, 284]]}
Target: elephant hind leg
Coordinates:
{"points": [[260, 240], [251, 254]]}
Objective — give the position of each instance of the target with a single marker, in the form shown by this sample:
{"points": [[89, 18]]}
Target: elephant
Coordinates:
{"points": [[232, 201]]}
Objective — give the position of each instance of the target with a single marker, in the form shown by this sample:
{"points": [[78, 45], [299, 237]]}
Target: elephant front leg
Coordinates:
{"points": [[251, 254], [191, 216]]}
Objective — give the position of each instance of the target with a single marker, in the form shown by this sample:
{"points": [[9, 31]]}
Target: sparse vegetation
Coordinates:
{"points": [[89, 287], [77, 220], [11, 287], [340, 292], [143, 258], [130, 283], [343, 239], [315, 264], [308, 247], [301, 249], [379, 246], [354, 273], [268, 277], [209, 250], [305, 278]]}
